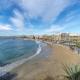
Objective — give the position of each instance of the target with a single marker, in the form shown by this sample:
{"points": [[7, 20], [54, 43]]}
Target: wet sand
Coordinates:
{"points": [[50, 64]]}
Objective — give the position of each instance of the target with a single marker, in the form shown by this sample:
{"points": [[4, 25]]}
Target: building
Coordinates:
{"points": [[65, 37]]}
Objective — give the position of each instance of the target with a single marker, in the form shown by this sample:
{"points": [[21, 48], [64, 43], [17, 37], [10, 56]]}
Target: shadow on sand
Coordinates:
{"points": [[8, 76]]}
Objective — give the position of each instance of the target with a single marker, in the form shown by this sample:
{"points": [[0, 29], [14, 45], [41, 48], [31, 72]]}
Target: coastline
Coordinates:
{"points": [[8, 67], [40, 67]]}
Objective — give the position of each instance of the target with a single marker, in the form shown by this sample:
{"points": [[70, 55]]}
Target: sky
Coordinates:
{"points": [[38, 17]]}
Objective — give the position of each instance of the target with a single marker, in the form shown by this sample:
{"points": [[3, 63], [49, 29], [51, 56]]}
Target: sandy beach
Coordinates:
{"points": [[52, 65]]}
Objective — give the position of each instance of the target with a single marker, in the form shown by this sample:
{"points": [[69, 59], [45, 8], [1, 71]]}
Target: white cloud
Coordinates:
{"points": [[54, 28], [48, 10], [50, 30], [6, 27], [18, 20]]}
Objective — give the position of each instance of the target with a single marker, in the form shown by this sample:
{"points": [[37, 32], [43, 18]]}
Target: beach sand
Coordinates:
{"points": [[50, 66]]}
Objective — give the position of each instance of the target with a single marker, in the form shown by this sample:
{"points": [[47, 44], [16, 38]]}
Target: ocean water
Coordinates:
{"points": [[12, 50]]}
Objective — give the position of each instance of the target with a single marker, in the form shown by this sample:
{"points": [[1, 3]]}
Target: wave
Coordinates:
{"points": [[9, 67]]}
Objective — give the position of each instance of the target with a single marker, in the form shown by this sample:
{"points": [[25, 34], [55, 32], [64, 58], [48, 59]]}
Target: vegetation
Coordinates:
{"points": [[78, 44], [73, 73]]}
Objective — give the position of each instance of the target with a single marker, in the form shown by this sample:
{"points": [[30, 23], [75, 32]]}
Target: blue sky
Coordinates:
{"points": [[23, 17]]}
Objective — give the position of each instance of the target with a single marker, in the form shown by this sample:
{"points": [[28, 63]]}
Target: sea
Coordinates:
{"points": [[11, 50], [14, 52]]}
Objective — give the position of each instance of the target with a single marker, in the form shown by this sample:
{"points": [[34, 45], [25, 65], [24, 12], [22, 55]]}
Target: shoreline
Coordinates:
{"points": [[39, 68], [49, 62], [9, 67]]}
